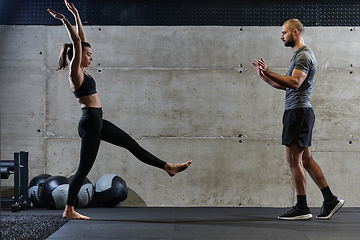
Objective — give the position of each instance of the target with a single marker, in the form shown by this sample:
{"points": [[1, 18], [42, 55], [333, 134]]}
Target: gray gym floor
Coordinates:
{"points": [[202, 223]]}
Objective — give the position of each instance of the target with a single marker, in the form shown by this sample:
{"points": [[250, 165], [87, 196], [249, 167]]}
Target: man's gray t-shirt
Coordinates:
{"points": [[303, 60]]}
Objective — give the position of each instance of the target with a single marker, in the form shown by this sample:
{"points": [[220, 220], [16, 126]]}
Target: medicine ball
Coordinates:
{"points": [[34, 190], [86, 193], [54, 192], [110, 190]]}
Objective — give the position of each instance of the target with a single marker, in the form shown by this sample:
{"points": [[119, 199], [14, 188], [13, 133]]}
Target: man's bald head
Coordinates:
{"points": [[293, 24]]}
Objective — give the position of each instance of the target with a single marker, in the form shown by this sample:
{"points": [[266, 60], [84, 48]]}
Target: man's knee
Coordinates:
{"points": [[307, 160]]}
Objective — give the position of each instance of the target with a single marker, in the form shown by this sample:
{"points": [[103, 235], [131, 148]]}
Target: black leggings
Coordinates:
{"points": [[92, 128]]}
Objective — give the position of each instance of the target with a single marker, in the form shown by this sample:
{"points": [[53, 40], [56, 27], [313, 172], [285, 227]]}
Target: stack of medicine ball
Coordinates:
{"points": [[46, 191]]}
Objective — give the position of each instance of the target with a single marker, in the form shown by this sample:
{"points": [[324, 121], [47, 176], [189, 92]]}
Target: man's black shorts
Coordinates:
{"points": [[298, 124]]}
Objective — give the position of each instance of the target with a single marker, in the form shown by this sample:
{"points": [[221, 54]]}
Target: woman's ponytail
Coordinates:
{"points": [[66, 50]]}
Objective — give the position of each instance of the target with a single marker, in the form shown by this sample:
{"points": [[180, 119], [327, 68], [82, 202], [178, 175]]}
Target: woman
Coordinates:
{"points": [[92, 128]]}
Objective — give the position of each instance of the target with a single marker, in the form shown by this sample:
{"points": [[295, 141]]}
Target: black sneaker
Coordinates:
{"points": [[328, 209], [296, 213]]}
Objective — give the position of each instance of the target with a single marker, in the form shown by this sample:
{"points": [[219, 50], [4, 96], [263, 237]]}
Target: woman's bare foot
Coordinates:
{"points": [[173, 169], [69, 212]]}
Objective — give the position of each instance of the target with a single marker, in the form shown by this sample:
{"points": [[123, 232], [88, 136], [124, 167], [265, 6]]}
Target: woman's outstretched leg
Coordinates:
{"points": [[114, 135]]}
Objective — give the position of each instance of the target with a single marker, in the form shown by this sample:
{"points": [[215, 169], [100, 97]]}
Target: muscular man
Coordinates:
{"points": [[298, 121]]}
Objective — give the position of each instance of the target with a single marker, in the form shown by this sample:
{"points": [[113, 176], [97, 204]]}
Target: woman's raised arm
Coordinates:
{"points": [[79, 26], [75, 65]]}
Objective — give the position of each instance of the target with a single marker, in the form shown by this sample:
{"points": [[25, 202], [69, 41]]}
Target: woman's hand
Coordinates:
{"points": [[56, 14], [71, 8]]}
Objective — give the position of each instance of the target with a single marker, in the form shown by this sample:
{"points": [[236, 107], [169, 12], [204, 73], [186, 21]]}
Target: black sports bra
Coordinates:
{"points": [[88, 87]]}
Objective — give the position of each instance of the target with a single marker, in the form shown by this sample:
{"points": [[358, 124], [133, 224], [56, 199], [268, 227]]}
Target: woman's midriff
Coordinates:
{"points": [[90, 101]]}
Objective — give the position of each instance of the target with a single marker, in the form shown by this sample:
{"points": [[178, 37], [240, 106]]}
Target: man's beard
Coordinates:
{"points": [[290, 42]]}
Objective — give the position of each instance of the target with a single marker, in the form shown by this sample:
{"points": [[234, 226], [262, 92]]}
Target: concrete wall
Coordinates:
{"points": [[184, 93]]}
